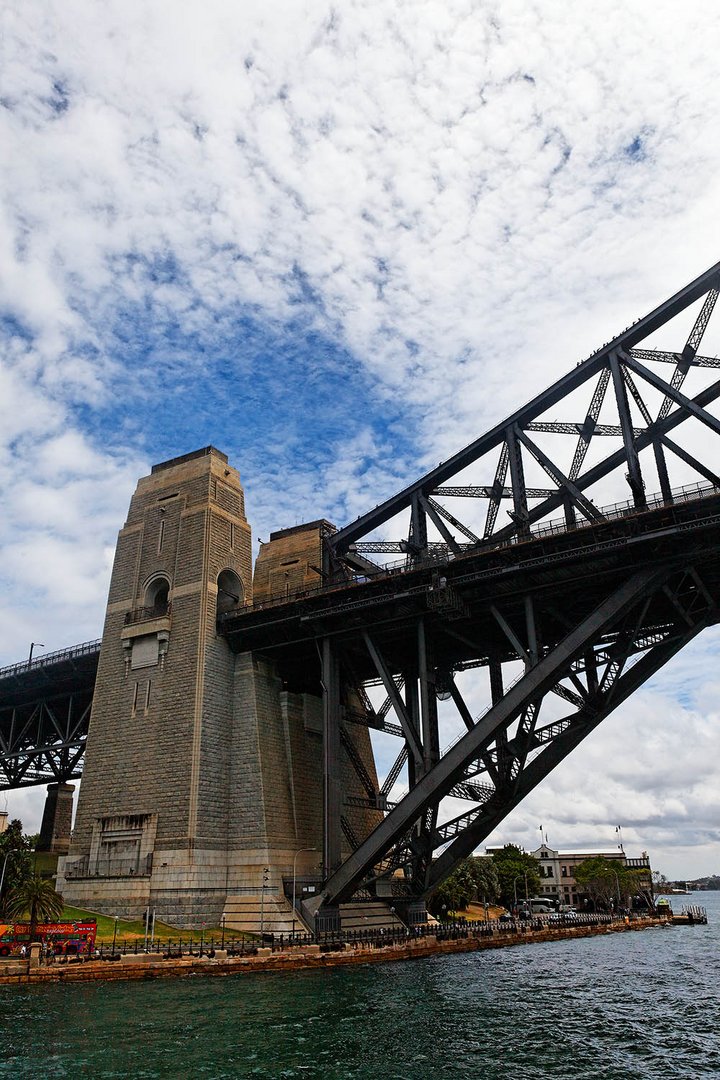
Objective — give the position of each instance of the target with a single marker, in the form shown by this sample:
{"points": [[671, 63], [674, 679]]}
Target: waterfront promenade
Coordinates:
{"points": [[443, 940]]}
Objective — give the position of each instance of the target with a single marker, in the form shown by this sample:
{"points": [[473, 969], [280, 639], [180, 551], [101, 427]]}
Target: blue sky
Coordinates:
{"points": [[338, 243]]}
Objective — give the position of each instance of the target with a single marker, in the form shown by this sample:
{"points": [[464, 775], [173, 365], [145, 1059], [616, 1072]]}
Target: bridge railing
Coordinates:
{"points": [[145, 614], [559, 525], [105, 868], [47, 659], [443, 554]]}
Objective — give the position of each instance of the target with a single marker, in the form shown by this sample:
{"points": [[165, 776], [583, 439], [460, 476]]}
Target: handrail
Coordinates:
{"points": [[47, 659], [553, 527], [145, 614]]}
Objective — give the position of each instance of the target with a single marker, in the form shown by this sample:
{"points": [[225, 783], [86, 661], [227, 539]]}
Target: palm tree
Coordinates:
{"points": [[36, 897]]}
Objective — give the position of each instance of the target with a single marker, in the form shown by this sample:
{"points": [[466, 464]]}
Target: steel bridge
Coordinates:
{"points": [[561, 606]]}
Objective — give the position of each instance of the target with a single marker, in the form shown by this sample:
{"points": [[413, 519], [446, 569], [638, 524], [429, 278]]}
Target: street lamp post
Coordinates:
{"points": [[617, 886], [527, 897], [294, 879], [2, 875], [115, 934], [34, 645], [266, 871], [222, 943]]}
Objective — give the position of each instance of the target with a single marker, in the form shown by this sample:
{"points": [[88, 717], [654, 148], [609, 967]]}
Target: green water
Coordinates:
{"points": [[619, 1007]]}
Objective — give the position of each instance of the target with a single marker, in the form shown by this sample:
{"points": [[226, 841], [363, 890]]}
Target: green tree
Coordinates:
{"points": [[517, 872], [455, 892], [638, 884], [36, 898], [484, 874], [606, 881], [660, 881], [15, 858]]}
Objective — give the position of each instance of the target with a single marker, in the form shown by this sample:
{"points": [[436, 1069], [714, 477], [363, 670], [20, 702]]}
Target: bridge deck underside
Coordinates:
{"points": [[589, 614], [565, 574]]}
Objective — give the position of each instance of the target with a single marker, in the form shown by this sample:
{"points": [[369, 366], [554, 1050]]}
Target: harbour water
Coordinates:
{"points": [[634, 1006]]}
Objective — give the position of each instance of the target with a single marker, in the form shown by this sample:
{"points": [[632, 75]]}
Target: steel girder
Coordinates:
{"points": [[44, 716], [619, 641], [630, 402], [505, 753], [43, 741]]}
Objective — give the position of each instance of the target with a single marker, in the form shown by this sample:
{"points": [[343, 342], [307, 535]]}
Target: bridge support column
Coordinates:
{"points": [[332, 764], [57, 819]]}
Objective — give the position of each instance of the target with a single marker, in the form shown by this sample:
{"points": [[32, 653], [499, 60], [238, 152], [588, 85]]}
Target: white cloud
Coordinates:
{"points": [[465, 199]]}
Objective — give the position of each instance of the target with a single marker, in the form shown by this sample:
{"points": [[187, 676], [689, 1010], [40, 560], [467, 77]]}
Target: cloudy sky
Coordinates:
{"points": [[338, 243]]}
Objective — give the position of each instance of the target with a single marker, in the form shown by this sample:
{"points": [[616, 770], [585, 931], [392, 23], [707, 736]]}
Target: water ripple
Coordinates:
{"points": [[637, 1006]]}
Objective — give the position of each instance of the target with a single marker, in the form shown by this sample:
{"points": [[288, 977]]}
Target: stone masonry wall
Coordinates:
{"points": [[226, 763], [157, 731]]}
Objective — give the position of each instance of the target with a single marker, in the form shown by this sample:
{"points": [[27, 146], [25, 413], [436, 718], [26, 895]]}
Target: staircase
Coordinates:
{"points": [[248, 910], [371, 915]]}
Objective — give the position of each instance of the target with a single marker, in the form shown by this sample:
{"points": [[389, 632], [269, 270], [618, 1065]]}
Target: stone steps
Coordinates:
{"points": [[246, 911], [249, 911], [369, 915]]}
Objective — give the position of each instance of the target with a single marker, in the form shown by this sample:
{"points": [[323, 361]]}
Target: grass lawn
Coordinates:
{"points": [[476, 912], [134, 929]]}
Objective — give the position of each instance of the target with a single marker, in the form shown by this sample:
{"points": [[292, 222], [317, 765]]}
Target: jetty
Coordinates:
{"points": [[692, 915]]}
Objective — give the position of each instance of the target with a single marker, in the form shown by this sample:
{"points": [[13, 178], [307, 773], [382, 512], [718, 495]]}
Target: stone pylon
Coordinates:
{"points": [[200, 781]]}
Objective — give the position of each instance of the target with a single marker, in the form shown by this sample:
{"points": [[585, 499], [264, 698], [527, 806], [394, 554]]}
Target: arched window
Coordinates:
{"points": [[156, 594], [230, 592]]}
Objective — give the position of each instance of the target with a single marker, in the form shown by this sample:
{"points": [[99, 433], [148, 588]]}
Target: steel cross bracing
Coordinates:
{"points": [[44, 742], [622, 399], [586, 663], [44, 716], [623, 635]]}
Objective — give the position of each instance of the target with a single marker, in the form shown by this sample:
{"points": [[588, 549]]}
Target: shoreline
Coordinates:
{"points": [[150, 966]]}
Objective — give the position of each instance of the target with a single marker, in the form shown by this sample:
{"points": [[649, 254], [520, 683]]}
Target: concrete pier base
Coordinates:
{"points": [[57, 819]]}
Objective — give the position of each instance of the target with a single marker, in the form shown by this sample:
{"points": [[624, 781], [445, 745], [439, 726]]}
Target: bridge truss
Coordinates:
{"points": [[44, 716], [588, 605]]}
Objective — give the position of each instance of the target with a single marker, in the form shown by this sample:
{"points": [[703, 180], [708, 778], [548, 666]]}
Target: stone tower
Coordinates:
{"points": [[200, 781]]}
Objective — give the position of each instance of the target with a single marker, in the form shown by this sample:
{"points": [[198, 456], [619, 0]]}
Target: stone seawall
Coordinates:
{"points": [[141, 966]]}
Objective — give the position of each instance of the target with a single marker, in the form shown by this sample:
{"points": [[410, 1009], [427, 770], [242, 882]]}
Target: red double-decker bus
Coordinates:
{"points": [[61, 938]]}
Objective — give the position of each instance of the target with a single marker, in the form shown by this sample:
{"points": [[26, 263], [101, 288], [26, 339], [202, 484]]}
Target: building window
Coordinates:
{"points": [[563, 871]]}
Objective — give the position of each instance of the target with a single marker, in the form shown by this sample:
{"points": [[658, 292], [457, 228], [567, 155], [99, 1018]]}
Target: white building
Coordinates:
{"points": [[557, 870]]}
